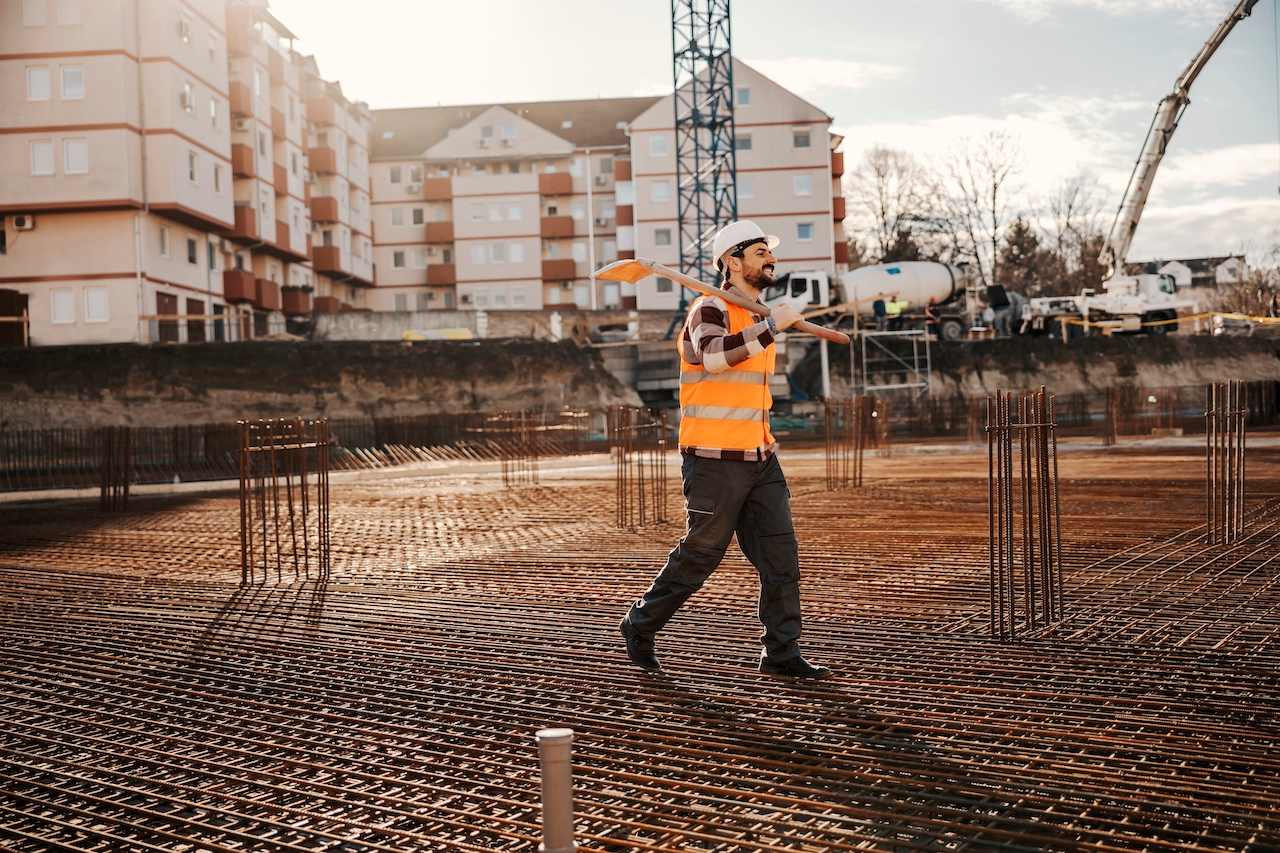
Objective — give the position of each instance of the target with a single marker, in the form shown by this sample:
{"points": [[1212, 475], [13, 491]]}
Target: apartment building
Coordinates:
{"points": [[154, 177], [509, 206]]}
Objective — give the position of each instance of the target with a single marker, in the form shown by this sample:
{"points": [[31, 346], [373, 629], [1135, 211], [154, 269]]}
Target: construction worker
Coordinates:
{"points": [[933, 317], [879, 311], [732, 480], [894, 309]]}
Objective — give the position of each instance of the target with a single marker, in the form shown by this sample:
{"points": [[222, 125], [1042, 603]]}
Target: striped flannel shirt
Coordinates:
{"points": [[705, 340]]}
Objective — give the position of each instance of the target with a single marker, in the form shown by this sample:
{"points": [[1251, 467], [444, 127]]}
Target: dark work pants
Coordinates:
{"points": [[725, 497]]}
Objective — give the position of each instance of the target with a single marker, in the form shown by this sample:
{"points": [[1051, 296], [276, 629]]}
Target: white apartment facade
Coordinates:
{"points": [[154, 183], [507, 206]]}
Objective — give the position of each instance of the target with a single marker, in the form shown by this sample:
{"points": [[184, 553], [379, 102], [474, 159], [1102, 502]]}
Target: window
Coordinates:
{"points": [[213, 255], [608, 251], [38, 83], [657, 146], [477, 212], [664, 285], [424, 301], [499, 297], [515, 253], [191, 250], [803, 185], [486, 132], [608, 210], [397, 217], [69, 12], [213, 51], [164, 241], [478, 170], [95, 305], [213, 111], [513, 167], [499, 253], [495, 213], [72, 82], [446, 256], [62, 305], [479, 254], [662, 237], [804, 231], [262, 143], [189, 98], [624, 192], [440, 214], [402, 302], [415, 174], [42, 156], [517, 296], [575, 167], [75, 156], [397, 260], [257, 83], [577, 210], [193, 167], [326, 238], [746, 186], [293, 112], [34, 13], [184, 27], [515, 212], [580, 252], [395, 175], [606, 165], [744, 97], [660, 191], [419, 259], [217, 178], [508, 131], [742, 142], [294, 162], [419, 216], [480, 296], [800, 138]]}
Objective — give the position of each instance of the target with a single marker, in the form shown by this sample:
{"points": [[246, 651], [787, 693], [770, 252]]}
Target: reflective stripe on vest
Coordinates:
{"points": [[727, 410]]}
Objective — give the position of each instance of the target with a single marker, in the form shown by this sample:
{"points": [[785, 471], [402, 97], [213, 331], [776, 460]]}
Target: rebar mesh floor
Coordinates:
{"points": [[147, 702]]}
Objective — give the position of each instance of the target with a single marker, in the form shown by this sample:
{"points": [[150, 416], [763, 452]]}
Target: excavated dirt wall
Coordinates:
{"points": [[978, 368], [48, 387]]}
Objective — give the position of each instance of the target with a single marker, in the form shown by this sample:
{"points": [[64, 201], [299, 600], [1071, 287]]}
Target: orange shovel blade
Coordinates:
{"points": [[629, 270]]}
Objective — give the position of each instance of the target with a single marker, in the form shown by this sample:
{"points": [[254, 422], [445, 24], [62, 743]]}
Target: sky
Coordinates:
{"points": [[1074, 82]]}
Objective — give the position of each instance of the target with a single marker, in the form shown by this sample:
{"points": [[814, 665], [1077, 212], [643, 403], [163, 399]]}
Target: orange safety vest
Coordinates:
{"points": [[728, 410]]}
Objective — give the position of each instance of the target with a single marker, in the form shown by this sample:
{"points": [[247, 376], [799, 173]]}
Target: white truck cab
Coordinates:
{"points": [[801, 289]]}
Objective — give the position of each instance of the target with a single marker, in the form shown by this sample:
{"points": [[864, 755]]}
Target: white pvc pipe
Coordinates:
{"points": [[554, 751]]}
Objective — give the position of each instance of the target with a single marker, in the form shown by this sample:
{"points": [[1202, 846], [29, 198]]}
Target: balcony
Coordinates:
{"points": [[442, 274], [240, 99], [238, 286], [837, 163], [842, 252], [437, 189], [327, 259], [622, 170], [837, 208], [295, 300], [277, 122], [241, 160], [559, 269], [323, 161], [324, 209], [246, 227], [284, 237], [439, 232], [626, 215], [557, 183], [320, 110], [282, 180], [275, 66], [328, 305], [268, 295], [557, 226]]}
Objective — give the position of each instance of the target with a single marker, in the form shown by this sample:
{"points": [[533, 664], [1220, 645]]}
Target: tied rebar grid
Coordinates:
{"points": [[515, 435], [853, 424], [117, 468], [1226, 417], [1037, 548], [284, 499], [638, 436]]}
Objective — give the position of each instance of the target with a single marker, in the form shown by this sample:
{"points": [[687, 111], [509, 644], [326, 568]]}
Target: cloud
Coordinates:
{"points": [[806, 76], [1189, 12], [1232, 166], [1212, 227]]}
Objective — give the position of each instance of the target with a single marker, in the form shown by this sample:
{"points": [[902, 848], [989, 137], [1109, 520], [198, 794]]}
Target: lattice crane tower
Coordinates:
{"points": [[706, 166]]}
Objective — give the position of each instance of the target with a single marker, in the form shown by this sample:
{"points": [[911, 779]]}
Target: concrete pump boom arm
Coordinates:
{"points": [[1161, 131]]}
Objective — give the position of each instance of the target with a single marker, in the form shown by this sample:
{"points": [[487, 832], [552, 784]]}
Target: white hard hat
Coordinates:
{"points": [[736, 234]]}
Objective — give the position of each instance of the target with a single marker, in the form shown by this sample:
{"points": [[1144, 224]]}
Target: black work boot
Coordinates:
{"points": [[796, 667], [639, 647]]}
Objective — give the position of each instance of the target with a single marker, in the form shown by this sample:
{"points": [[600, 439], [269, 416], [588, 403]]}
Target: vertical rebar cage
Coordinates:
{"points": [[638, 439], [1226, 423], [853, 425], [284, 500], [1024, 530]]}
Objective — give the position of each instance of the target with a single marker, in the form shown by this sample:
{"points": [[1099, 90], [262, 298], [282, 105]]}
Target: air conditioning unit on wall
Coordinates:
{"points": [[24, 222], [241, 124], [413, 189]]}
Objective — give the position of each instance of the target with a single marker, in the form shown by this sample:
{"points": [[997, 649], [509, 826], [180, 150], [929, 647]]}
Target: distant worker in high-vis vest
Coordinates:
{"points": [[732, 480]]}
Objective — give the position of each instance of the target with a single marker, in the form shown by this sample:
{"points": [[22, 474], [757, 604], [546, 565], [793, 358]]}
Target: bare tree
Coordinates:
{"points": [[891, 195], [980, 197], [1074, 212]]}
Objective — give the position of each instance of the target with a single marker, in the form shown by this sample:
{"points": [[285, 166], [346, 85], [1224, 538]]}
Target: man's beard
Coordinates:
{"points": [[759, 278]]}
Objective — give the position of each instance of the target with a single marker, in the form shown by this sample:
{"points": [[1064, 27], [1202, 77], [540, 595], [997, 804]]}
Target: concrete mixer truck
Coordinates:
{"points": [[912, 282]]}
